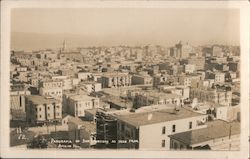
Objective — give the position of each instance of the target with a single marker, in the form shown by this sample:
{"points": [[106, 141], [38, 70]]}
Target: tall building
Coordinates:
{"points": [[183, 50]]}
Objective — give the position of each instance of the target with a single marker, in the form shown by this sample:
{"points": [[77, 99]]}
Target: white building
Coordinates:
{"points": [[51, 88], [90, 86], [189, 68], [79, 103], [150, 129]]}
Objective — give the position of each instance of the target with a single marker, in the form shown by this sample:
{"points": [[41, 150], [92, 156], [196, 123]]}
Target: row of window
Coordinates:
{"points": [[49, 93], [174, 128], [40, 116], [57, 107]]}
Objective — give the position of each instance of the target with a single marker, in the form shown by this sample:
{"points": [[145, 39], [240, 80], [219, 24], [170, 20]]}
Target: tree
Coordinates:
{"points": [[38, 142]]}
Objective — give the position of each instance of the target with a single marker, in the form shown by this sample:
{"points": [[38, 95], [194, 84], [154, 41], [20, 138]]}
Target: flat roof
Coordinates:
{"points": [[115, 74], [91, 111], [215, 129], [158, 116], [81, 97], [37, 99], [157, 94]]}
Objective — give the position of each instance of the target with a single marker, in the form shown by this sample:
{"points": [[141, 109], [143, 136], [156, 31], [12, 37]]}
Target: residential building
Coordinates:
{"points": [[219, 77], [40, 109], [133, 127], [146, 98], [110, 80], [77, 104], [220, 96], [142, 79], [91, 86], [189, 68], [51, 88]]}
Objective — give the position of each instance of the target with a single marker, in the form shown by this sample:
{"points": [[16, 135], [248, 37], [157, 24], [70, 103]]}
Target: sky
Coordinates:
{"points": [[47, 28]]}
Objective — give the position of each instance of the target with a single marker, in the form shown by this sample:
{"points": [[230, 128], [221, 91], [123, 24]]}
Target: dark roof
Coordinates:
{"points": [[215, 129], [91, 111], [153, 117], [37, 99]]}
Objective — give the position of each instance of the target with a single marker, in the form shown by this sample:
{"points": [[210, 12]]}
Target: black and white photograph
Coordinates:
{"points": [[126, 78]]}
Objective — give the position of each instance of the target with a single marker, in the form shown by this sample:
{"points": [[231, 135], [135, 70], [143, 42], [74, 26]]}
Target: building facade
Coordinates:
{"points": [[77, 104], [41, 110]]}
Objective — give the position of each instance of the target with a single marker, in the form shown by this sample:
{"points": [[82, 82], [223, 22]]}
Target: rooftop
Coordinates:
{"points": [[91, 111], [115, 74], [89, 126], [37, 99], [81, 97], [215, 129], [158, 116], [158, 94]]}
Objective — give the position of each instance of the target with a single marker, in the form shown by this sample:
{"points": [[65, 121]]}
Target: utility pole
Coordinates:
{"points": [[230, 133]]}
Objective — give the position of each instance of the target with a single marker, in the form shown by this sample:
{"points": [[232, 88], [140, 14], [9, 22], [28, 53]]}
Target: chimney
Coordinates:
{"points": [[150, 116]]}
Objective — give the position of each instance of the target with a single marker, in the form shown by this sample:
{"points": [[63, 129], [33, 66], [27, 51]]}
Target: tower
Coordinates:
{"points": [[64, 45]]}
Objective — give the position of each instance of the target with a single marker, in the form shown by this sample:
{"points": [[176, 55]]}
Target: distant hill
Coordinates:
{"points": [[36, 41]]}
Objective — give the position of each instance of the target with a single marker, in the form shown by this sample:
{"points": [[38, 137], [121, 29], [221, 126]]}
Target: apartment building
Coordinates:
{"points": [[77, 104], [220, 96], [91, 86], [51, 88], [111, 80], [142, 79], [40, 109], [219, 77], [133, 127], [152, 97]]}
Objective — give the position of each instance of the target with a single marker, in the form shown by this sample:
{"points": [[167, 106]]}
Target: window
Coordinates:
{"points": [[190, 125], [163, 130], [48, 108], [163, 143], [40, 116], [173, 128], [40, 109], [123, 127], [20, 101], [181, 147], [175, 145], [48, 115]]}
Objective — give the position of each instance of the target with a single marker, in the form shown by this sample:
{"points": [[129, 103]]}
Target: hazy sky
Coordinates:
{"points": [[125, 26]]}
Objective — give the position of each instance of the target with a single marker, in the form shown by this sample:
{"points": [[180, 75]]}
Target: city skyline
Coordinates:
{"points": [[47, 28]]}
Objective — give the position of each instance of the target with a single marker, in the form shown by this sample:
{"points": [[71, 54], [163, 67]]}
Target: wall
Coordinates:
{"points": [[150, 136]]}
